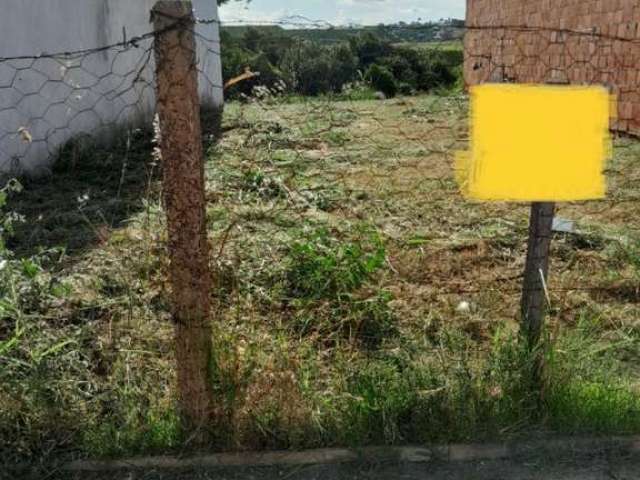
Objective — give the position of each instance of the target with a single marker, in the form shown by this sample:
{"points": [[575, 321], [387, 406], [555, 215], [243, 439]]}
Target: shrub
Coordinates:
{"points": [[405, 88], [358, 90], [437, 71], [7, 220], [344, 67], [306, 69], [368, 320], [256, 181], [272, 43], [235, 60], [325, 283], [369, 48], [403, 64], [382, 79], [313, 69], [25, 288]]}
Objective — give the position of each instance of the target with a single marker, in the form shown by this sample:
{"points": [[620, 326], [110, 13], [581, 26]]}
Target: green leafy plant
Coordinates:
{"points": [[7, 219], [322, 267], [369, 320], [326, 281], [258, 182]]}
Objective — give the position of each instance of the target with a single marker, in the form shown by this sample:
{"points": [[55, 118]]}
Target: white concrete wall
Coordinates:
{"points": [[46, 101]]}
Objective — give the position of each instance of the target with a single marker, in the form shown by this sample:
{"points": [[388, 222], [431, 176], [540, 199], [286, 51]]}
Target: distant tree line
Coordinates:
{"points": [[446, 29], [309, 68]]}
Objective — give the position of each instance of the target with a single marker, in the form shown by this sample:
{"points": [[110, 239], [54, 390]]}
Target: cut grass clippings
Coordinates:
{"points": [[359, 299]]}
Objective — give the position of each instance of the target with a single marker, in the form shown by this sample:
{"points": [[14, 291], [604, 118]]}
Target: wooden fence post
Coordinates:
{"points": [[178, 108], [534, 291]]}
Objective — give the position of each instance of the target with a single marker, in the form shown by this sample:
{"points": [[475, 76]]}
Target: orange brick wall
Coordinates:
{"points": [[558, 41]]}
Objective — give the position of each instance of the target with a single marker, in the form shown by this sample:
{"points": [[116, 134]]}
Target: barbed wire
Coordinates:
{"points": [[441, 288], [592, 32], [70, 81], [437, 129], [290, 21]]}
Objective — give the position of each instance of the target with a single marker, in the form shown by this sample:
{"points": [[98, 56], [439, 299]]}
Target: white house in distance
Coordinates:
{"points": [[46, 98]]}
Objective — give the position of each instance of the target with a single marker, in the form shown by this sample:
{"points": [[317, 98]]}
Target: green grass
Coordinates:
{"points": [[341, 249], [455, 45], [597, 396]]}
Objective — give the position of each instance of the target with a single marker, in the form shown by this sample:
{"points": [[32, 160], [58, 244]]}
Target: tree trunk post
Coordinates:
{"points": [[534, 291], [178, 109]]}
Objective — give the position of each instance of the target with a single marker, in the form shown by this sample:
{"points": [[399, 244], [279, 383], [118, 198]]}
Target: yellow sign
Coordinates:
{"points": [[537, 143]]}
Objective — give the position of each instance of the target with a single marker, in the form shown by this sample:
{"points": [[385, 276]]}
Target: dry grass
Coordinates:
{"points": [[341, 249], [391, 168]]}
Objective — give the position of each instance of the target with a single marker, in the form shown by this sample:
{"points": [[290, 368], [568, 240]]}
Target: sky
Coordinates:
{"points": [[341, 12]]}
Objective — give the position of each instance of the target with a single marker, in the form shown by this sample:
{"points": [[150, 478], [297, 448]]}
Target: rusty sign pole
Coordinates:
{"points": [[534, 302]]}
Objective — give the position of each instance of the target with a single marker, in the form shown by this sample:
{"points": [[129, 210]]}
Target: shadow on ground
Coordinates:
{"points": [[90, 190]]}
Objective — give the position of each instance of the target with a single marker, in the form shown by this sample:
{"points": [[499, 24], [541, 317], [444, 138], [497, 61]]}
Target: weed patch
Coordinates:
{"points": [[322, 267]]}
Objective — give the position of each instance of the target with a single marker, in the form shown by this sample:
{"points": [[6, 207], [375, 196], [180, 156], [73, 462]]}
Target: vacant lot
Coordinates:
{"points": [[343, 254]]}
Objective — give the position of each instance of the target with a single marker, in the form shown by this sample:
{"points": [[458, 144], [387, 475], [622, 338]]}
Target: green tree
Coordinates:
{"points": [[313, 69], [345, 66], [253, 39], [438, 70], [369, 48]]}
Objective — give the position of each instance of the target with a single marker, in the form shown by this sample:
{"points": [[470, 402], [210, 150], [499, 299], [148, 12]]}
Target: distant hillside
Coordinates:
{"points": [[392, 59], [239, 31], [445, 45], [444, 30]]}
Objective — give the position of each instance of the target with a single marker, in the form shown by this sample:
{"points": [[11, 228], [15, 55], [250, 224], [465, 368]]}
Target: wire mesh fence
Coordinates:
{"points": [[398, 152], [89, 93], [511, 53], [335, 222]]}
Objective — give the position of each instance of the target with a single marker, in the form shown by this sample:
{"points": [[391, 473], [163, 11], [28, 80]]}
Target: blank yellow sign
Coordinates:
{"points": [[537, 143]]}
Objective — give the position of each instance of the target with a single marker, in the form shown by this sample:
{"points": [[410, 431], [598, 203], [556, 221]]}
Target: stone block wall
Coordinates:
{"points": [[561, 42]]}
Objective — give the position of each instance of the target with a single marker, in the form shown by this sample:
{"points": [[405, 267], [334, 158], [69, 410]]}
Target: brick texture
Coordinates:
{"points": [[558, 41]]}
